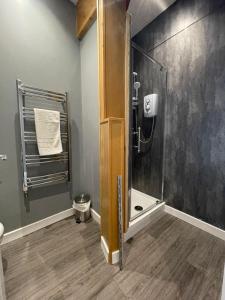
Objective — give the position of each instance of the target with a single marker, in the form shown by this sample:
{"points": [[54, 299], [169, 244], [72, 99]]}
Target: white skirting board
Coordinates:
{"points": [[2, 280], [115, 257], [196, 222], [28, 229], [95, 216], [105, 250], [223, 286], [20, 232]]}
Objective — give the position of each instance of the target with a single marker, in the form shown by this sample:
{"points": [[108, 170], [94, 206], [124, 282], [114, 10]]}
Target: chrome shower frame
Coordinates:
{"points": [[138, 131]]}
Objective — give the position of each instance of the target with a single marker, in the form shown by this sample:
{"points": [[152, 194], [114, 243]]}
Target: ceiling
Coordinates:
{"points": [[145, 11]]}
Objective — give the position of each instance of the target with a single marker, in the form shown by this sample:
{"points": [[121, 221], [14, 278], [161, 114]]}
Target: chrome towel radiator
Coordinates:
{"points": [[39, 170]]}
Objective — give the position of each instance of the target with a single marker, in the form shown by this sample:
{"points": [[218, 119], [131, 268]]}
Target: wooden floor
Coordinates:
{"points": [[168, 260]]}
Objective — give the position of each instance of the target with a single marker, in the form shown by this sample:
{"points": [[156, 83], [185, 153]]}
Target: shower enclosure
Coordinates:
{"points": [[147, 114]]}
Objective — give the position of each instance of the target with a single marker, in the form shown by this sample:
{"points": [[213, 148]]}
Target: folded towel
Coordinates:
{"points": [[47, 124]]}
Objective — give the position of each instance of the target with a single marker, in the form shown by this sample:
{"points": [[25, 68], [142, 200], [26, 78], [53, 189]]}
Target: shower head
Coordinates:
{"points": [[137, 85]]}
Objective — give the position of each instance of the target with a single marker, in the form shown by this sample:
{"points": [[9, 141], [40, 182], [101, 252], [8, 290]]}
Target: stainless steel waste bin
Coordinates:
{"points": [[82, 205]]}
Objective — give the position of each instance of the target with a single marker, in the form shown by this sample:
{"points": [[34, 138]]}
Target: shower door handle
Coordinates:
{"points": [[3, 156]]}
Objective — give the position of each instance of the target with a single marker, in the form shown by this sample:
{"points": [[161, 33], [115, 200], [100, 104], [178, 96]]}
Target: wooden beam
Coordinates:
{"points": [[111, 28], [111, 166], [112, 92], [86, 15]]}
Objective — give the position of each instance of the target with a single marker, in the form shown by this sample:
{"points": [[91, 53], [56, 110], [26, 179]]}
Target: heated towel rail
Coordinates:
{"points": [[38, 170]]}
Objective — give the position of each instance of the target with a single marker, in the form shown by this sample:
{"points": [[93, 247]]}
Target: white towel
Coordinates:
{"points": [[47, 124]]}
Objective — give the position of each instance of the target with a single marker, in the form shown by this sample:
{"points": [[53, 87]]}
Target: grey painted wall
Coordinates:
{"points": [[189, 40], [39, 47], [90, 115]]}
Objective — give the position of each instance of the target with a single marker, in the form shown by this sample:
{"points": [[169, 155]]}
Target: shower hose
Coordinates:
{"points": [[146, 141]]}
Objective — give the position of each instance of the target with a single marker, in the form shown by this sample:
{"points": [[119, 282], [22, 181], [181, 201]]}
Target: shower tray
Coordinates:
{"points": [[142, 200]]}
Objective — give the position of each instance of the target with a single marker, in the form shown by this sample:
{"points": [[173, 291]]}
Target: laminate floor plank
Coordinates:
{"points": [[167, 260]]}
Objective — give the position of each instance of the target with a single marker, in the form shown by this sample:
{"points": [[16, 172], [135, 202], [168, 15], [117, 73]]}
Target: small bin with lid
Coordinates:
{"points": [[82, 204]]}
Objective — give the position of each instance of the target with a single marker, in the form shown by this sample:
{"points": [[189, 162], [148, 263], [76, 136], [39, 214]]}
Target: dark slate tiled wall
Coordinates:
{"points": [[189, 40]]}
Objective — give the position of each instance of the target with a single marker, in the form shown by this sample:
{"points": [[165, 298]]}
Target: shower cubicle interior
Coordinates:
{"points": [[147, 114]]}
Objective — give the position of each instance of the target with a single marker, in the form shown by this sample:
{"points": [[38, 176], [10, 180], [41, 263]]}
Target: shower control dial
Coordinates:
{"points": [[148, 107]]}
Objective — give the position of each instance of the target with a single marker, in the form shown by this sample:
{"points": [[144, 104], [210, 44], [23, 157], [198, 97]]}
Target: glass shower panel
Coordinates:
{"points": [[147, 114]]}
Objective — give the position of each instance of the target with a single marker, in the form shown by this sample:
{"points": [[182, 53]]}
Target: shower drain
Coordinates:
{"points": [[138, 207]]}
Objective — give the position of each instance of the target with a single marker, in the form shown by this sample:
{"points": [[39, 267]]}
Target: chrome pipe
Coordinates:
{"points": [[30, 137], [139, 139], [145, 54], [34, 133], [37, 159], [23, 86], [63, 154], [44, 179], [35, 141], [44, 97], [45, 162], [30, 118], [45, 159], [40, 92], [31, 110], [47, 182], [47, 179], [48, 175], [21, 104]]}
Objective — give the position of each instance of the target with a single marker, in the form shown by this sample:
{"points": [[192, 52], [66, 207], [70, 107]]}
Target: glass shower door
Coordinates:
{"points": [[147, 114]]}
